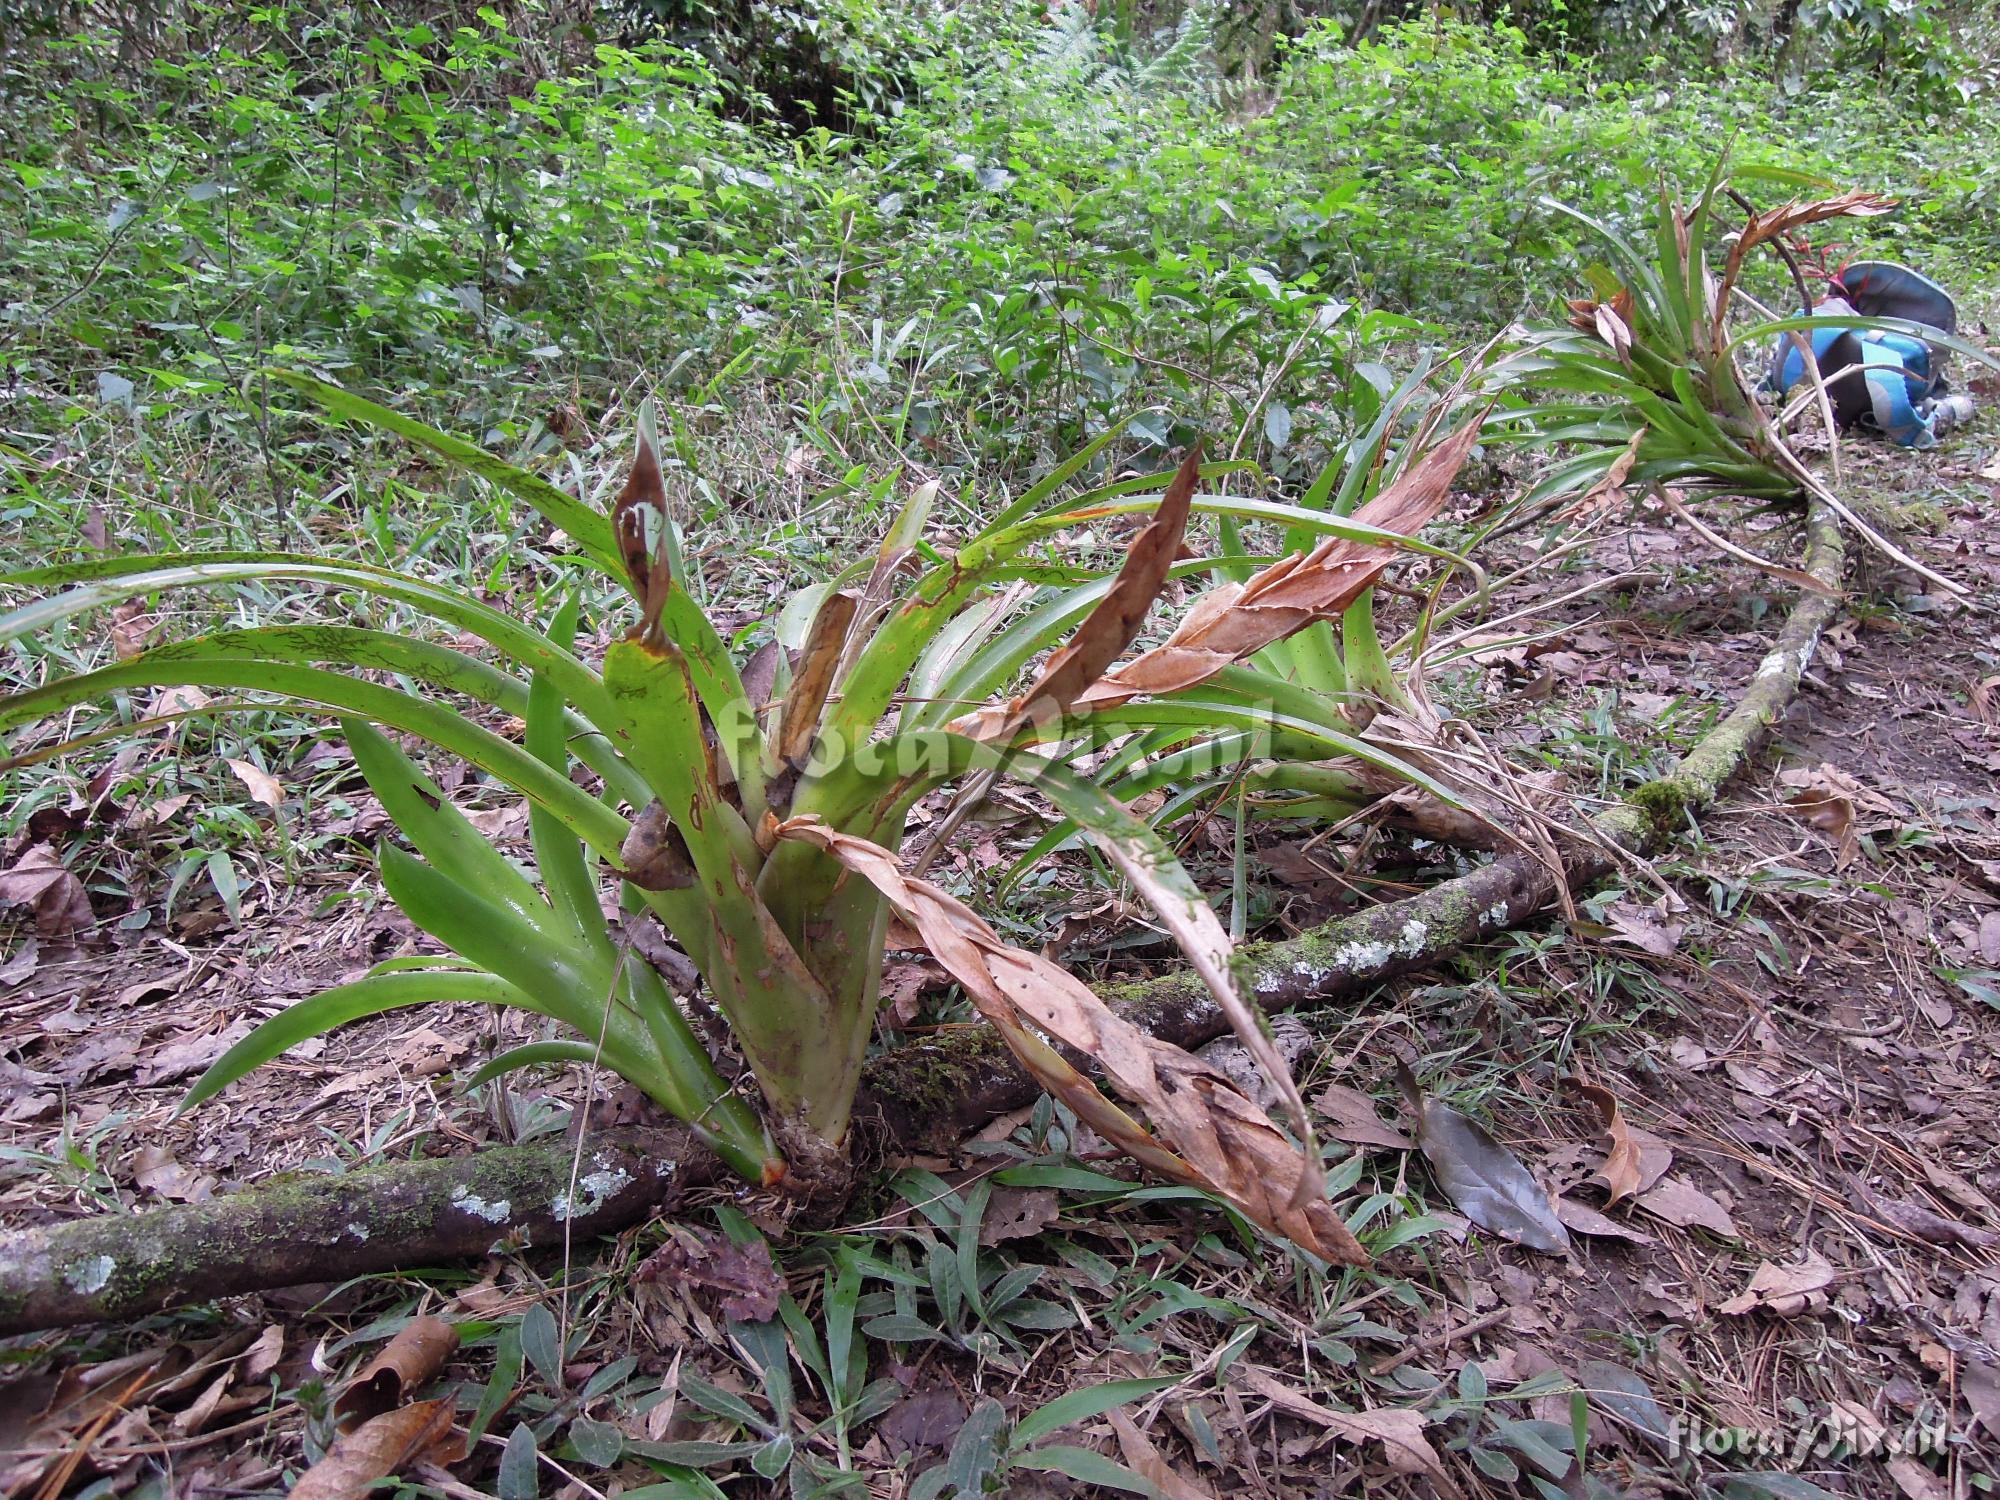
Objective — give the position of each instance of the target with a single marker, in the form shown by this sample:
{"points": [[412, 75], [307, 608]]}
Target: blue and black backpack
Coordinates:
{"points": [[1891, 382]]}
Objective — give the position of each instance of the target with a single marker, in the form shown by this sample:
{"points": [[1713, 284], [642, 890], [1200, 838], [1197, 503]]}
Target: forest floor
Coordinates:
{"points": [[1806, 1039]]}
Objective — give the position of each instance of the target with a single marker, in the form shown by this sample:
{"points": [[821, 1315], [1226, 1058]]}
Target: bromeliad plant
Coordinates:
{"points": [[1294, 647], [754, 809], [1643, 388]]}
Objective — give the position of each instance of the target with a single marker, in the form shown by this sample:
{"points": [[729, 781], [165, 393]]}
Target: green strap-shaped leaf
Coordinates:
{"points": [[321, 1013], [444, 836], [567, 982], [1368, 669], [310, 689], [568, 878], [102, 585], [534, 1055]]}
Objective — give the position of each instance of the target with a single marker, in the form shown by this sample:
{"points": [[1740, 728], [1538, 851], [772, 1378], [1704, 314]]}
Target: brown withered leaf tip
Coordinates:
{"points": [[1209, 1134], [1234, 621], [638, 530], [1109, 628]]}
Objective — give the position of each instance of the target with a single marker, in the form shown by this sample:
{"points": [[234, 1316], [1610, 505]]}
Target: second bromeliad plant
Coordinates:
{"points": [[756, 810]]}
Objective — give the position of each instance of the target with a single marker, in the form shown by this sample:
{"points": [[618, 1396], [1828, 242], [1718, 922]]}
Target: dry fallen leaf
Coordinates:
{"points": [[1685, 1206], [1914, 1480], [1644, 927], [1018, 1214], [1351, 1118], [813, 675], [1584, 1219], [1214, 1138], [1486, 1181], [1784, 1290], [40, 881], [382, 1446], [262, 1357], [1143, 1459], [1623, 1173], [178, 700], [260, 783], [1835, 802], [1399, 1429], [745, 1275], [400, 1368], [155, 1169]]}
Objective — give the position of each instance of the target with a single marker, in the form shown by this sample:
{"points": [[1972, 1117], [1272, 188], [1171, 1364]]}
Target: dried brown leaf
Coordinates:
{"points": [[1581, 1218], [1352, 1118], [1609, 490], [1614, 330], [1784, 1290], [1143, 1459], [1399, 1429], [1110, 627], [1018, 1214], [400, 1368], [1834, 802], [262, 1357], [1685, 1206], [260, 783], [1623, 1173], [819, 661], [382, 1446], [198, 1412], [132, 628], [638, 528], [1644, 928], [1214, 1138], [40, 881], [745, 1275], [1487, 1182], [1856, 203], [1235, 621]]}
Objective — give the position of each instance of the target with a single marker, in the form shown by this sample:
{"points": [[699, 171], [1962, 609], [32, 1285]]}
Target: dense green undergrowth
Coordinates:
{"points": [[1031, 238], [1025, 233]]}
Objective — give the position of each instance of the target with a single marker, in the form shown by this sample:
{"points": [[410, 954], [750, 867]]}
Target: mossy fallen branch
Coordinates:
{"points": [[315, 1228], [926, 1095]]}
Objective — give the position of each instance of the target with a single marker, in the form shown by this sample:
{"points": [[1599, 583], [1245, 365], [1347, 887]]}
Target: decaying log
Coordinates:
{"points": [[312, 1227], [926, 1095]]}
